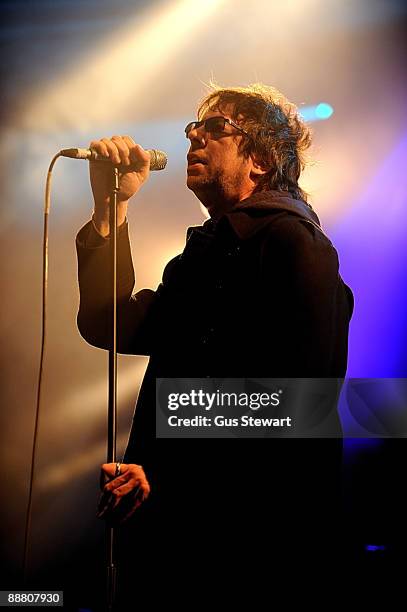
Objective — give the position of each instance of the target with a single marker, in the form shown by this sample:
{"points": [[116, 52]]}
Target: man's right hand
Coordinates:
{"points": [[122, 151]]}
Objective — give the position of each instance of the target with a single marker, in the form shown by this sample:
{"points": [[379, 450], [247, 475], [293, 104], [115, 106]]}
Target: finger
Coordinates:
{"points": [[129, 141], [121, 509], [113, 151], [136, 504], [105, 503], [107, 473], [100, 147], [131, 145], [126, 506], [126, 470], [132, 487], [108, 502], [117, 482], [139, 155], [110, 468], [126, 489], [117, 499], [103, 480], [106, 510], [124, 151], [128, 492]]}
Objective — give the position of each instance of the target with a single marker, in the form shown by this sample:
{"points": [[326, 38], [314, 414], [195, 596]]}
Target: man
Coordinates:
{"points": [[255, 293]]}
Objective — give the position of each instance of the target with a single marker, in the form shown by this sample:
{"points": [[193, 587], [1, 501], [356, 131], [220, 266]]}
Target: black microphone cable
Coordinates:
{"points": [[47, 204]]}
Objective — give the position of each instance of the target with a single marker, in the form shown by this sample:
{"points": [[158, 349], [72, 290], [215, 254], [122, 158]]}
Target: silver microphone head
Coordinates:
{"points": [[158, 159]]}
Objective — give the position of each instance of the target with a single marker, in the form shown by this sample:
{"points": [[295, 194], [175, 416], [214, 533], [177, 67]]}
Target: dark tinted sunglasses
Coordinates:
{"points": [[213, 125]]}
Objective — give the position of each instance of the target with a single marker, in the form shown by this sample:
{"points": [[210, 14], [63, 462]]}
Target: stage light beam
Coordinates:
{"points": [[118, 71]]}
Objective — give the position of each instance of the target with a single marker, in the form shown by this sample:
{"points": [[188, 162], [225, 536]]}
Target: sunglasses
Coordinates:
{"points": [[213, 125]]}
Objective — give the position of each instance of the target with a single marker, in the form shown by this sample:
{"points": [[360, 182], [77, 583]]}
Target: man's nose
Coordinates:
{"points": [[197, 134]]}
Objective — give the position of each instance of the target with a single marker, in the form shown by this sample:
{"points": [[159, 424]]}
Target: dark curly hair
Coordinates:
{"points": [[278, 135]]}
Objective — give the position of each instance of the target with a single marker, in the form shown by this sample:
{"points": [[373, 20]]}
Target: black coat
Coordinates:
{"points": [[256, 295]]}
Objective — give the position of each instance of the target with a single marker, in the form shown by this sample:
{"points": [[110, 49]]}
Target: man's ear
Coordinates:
{"points": [[258, 168]]}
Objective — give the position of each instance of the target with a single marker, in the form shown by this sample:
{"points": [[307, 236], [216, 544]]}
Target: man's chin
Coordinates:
{"points": [[198, 183]]}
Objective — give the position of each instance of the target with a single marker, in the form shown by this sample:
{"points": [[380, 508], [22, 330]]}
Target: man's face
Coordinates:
{"points": [[217, 171]]}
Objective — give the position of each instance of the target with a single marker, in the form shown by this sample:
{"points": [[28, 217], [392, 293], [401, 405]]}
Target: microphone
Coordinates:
{"points": [[158, 159]]}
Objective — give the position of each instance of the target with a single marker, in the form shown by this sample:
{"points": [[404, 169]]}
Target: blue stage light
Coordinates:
{"points": [[374, 547], [323, 111], [318, 112]]}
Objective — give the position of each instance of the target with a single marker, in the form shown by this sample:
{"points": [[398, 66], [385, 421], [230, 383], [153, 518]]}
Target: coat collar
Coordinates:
{"points": [[259, 210]]}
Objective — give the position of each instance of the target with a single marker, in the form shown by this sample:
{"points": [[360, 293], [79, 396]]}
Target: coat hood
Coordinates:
{"points": [[261, 209]]}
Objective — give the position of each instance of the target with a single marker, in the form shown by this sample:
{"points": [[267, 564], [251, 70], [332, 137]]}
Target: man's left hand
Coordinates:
{"points": [[122, 494]]}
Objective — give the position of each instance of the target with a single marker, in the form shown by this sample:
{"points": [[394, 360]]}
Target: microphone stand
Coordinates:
{"points": [[112, 403]]}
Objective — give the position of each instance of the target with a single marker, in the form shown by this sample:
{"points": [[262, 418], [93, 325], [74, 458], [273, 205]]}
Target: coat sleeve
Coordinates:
{"points": [[304, 269], [135, 313]]}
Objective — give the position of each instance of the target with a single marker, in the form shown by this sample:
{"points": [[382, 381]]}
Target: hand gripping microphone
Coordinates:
{"points": [[158, 159]]}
